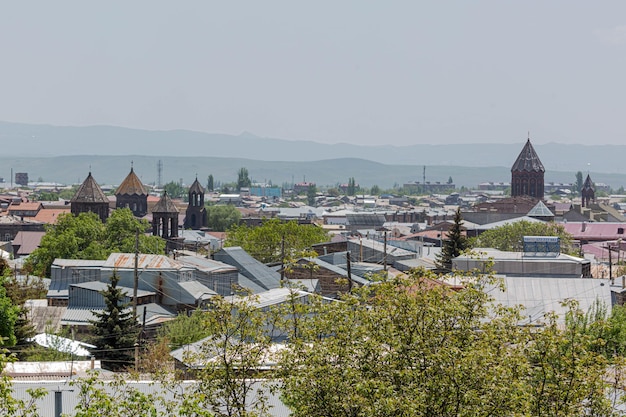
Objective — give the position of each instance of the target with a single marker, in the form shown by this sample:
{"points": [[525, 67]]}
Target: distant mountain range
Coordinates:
{"points": [[66, 154]]}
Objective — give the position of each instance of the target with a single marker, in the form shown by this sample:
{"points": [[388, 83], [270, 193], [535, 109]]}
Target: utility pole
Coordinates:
{"points": [[349, 271], [282, 260], [136, 274], [385, 252]]}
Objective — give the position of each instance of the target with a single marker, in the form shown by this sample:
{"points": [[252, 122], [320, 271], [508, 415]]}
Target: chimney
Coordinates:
{"points": [[583, 226]]}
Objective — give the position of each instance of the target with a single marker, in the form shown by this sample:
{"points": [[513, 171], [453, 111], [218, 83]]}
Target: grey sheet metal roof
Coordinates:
{"points": [[205, 264], [272, 297], [101, 286], [197, 290], [539, 296], [73, 263], [252, 269]]}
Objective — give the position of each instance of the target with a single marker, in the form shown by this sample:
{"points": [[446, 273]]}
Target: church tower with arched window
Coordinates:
{"points": [[527, 174], [132, 194], [588, 193], [196, 215]]}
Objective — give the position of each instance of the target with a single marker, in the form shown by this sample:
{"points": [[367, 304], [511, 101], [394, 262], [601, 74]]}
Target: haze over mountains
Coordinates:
{"points": [[64, 154]]}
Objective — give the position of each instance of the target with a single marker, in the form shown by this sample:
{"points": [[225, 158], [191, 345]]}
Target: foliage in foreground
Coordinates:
{"points": [[406, 347], [264, 242]]}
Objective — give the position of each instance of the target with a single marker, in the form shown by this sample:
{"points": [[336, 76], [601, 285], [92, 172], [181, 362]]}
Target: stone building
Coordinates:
{"points": [[165, 222], [196, 215], [588, 193], [90, 198], [527, 174], [132, 194]]}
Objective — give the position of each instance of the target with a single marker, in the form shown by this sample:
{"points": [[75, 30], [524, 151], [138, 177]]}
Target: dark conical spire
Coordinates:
{"points": [[89, 192], [588, 184], [165, 205], [528, 160]]}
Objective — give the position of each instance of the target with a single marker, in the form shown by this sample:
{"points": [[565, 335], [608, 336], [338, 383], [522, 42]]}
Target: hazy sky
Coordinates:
{"points": [[366, 72]]}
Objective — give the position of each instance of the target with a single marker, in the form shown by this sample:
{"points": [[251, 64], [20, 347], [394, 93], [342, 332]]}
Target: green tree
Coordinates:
{"points": [[9, 316], [375, 190], [72, 237], [351, 186], [405, 347], [221, 217], [265, 242], [411, 346], [579, 182], [454, 244], [210, 183], [175, 190], [243, 180], [184, 329], [86, 237], [509, 237], [121, 230], [311, 194], [450, 180], [114, 329]]}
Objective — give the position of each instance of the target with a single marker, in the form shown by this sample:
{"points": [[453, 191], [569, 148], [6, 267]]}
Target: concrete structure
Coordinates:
{"points": [[519, 264]]}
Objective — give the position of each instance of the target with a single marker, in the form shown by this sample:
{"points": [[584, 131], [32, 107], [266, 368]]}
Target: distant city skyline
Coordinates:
{"points": [[360, 72]]}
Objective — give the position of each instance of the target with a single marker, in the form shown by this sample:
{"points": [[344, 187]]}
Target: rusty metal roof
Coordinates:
{"points": [[89, 192], [528, 160], [144, 261], [131, 185], [165, 205]]}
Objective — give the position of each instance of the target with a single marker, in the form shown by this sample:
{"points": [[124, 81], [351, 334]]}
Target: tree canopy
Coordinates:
{"points": [[509, 237], [222, 216], [86, 237], [114, 329], [454, 244], [265, 242]]}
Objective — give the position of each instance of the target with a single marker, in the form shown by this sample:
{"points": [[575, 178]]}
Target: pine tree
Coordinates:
{"points": [[453, 245], [115, 329]]}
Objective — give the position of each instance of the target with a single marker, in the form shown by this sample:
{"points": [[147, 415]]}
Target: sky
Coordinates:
{"points": [[349, 71]]}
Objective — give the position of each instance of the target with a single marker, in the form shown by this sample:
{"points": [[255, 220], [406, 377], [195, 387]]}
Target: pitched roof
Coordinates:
{"points": [[131, 185], [196, 187], [165, 205], [50, 215], [89, 192], [249, 267], [528, 160], [588, 185], [540, 210]]}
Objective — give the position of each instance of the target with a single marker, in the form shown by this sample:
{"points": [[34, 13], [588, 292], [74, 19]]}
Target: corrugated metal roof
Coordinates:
{"points": [[197, 290], [543, 295], [249, 267], [145, 261], [205, 264], [101, 286], [73, 263]]}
